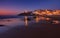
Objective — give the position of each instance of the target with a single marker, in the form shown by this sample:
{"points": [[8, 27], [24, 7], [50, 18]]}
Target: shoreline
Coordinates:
{"points": [[33, 31]]}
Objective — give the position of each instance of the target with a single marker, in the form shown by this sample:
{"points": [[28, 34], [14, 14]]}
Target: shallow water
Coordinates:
{"points": [[23, 21], [11, 23]]}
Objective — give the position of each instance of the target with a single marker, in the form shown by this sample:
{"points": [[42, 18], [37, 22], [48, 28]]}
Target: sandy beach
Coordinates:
{"points": [[35, 30]]}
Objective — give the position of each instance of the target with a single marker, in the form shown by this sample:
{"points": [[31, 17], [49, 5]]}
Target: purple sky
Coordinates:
{"points": [[13, 7]]}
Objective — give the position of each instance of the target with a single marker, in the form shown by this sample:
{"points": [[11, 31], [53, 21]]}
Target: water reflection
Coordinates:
{"points": [[42, 18], [26, 21], [7, 24], [56, 22], [47, 19], [11, 22], [37, 19]]}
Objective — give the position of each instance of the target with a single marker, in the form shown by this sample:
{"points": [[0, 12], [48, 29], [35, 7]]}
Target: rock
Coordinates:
{"points": [[2, 25]]}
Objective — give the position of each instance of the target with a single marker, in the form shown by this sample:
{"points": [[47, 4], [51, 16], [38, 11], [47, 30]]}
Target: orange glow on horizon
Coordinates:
{"points": [[7, 12]]}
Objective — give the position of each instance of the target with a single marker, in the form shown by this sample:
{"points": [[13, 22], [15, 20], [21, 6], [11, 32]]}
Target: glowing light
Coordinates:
{"points": [[56, 22], [47, 18], [37, 19], [26, 21], [47, 12]]}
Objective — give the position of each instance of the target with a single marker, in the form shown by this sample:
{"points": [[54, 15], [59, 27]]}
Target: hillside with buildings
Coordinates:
{"points": [[47, 12], [41, 12]]}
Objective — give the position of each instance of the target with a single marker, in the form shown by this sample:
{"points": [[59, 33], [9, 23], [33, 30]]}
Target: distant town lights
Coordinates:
{"points": [[47, 12]]}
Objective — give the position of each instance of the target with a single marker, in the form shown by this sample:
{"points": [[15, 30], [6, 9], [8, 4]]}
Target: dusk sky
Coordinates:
{"points": [[13, 7]]}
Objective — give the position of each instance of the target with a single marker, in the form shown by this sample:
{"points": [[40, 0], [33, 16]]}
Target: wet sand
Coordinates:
{"points": [[35, 30]]}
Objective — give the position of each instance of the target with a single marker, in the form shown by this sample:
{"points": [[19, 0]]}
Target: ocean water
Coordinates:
{"points": [[9, 23]]}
